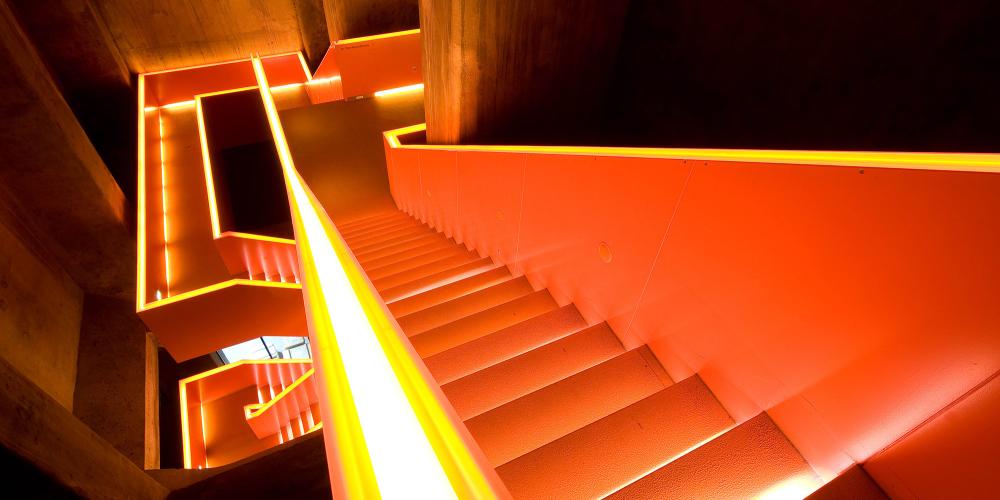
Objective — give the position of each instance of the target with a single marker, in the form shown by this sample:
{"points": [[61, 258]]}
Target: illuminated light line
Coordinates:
{"points": [[348, 41], [257, 237], [393, 437], [288, 86], [216, 287], [163, 202], [318, 81], [204, 435], [305, 67], [399, 90], [221, 63], [299, 381], [185, 426], [968, 162], [179, 104], [140, 278]]}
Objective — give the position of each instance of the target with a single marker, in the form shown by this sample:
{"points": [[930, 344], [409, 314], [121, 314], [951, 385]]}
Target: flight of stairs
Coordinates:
{"points": [[560, 407]]}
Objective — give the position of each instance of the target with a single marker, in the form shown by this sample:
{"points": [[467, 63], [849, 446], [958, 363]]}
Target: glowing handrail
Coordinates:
{"points": [[962, 162], [389, 433]]}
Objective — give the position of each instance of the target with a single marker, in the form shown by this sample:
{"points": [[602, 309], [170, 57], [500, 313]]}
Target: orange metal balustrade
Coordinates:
{"points": [[242, 408], [850, 295]]}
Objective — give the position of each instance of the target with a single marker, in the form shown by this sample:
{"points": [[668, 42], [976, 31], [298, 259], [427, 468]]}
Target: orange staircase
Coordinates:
{"points": [[560, 407]]}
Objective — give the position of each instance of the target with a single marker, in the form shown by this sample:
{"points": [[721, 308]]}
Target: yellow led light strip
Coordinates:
{"points": [[967, 162], [369, 38], [400, 90], [256, 410], [140, 275], [392, 435], [215, 287]]}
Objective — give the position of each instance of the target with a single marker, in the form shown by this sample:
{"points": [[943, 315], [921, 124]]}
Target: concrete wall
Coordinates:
{"points": [[116, 381], [40, 310]]}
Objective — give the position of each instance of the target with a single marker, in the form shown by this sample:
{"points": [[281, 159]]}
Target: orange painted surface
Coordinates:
{"points": [[183, 263], [248, 255], [183, 84], [209, 320], [216, 428], [275, 415], [953, 455], [852, 303], [369, 64]]}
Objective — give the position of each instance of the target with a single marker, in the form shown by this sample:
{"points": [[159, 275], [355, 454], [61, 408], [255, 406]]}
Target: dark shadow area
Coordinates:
{"points": [[852, 75], [24, 480], [249, 187]]}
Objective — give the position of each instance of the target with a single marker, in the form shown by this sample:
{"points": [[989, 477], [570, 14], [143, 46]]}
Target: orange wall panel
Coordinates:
{"points": [[954, 455], [850, 303], [577, 207], [489, 194], [438, 177], [369, 65]]}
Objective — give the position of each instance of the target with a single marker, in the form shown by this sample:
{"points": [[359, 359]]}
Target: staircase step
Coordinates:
{"points": [[416, 261], [614, 451], [362, 247], [404, 246], [505, 344], [407, 250], [437, 279], [428, 269], [529, 422], [449, 292], [370, 222], [378, 228], [482, 323], [381, 239], [754, 459], [582, 357], [455, 309]]}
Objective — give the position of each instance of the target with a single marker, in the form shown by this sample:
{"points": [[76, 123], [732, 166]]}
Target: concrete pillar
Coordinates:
{"points": [[516, 70], [354, 18], [116, 383]]}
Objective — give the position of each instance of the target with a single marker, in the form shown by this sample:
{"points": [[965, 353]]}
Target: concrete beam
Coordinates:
{"points": [[37, 430], [56, 176], [116, 381], [354, 18], [517, 70], [313, 30]]}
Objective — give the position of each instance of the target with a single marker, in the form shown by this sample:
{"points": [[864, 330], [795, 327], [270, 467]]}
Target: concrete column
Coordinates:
{"points": [[513, 70], [116, 382], [354, 18]]}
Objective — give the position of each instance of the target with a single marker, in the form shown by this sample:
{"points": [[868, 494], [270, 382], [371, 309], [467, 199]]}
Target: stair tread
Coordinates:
{"points": [[401, 247], [370, 221], [529, 422], [375, 228], [437, 279], [507, 343], [482, 323], [389, 237], [459, 307], [614, 451], [448, 292], [415, 261], [753, 459], [566, 365], [406, 251], [428, 269]]}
